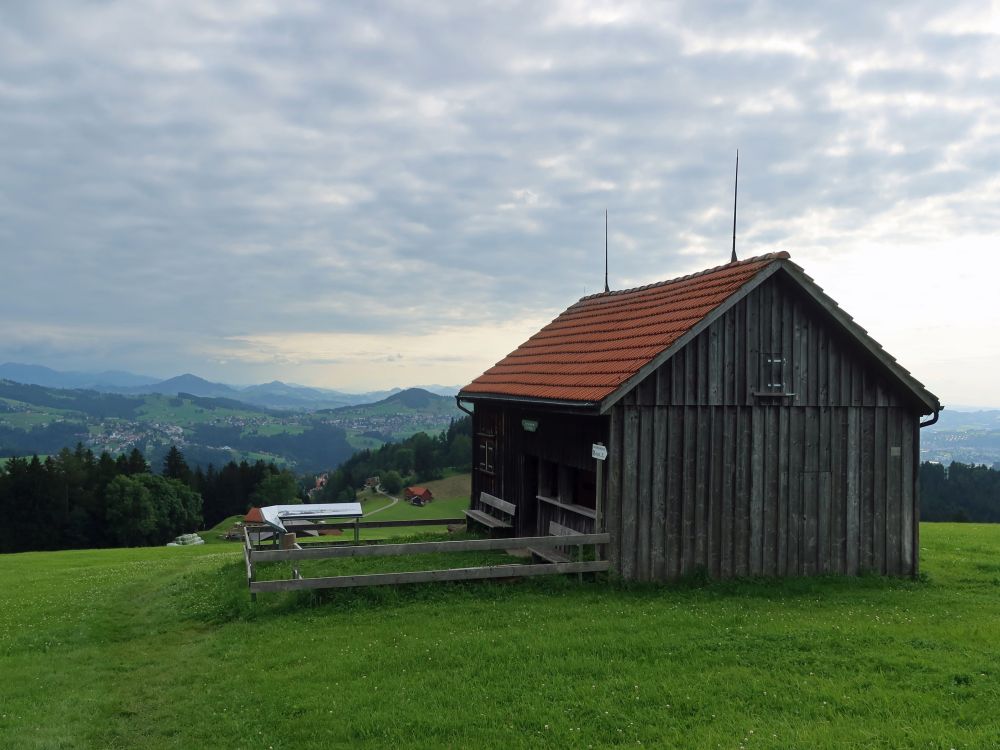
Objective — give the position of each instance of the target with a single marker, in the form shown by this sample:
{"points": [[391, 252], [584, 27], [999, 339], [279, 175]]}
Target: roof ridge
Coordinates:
{"points": [[779, 255]]}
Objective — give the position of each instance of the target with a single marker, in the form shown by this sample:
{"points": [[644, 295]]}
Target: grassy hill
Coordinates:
{"points": [[394, 418], [162, 648]]}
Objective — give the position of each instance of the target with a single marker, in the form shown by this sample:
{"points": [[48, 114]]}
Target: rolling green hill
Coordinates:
{"points": [[400, 415], [161, 648], [37, 419]]}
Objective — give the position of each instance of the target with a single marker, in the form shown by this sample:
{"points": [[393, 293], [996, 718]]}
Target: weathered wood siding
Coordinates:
{"points": [[705, 472]]}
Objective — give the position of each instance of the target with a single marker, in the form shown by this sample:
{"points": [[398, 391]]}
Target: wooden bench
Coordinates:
{"points": [[502, 517], [551, 554]]}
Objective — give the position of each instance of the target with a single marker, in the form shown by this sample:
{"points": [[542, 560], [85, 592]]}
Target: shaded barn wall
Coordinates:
{"points": [[705, 471], [562, 439]]}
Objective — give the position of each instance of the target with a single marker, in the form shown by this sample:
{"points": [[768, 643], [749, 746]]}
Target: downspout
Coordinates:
{"points": [[458, 403], [932, 420]]}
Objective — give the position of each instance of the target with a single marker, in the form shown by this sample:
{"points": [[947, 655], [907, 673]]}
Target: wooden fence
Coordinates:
{"points": [[254, 555]]}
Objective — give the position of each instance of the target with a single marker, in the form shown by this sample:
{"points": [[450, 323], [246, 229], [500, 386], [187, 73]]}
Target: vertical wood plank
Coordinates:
{"points": [[677, 374], [757, 492], [770, 461], [663, 385], [810, 500], [853, 490], [867, 516], [824, 502], [796, 448], [715, 371], [646, 391], [811, 491], [916, 493], [729, 458], [630, 492], [799, 355], [833, 376], [702, 468], [764, 339], [752, 343], [878, 491], [689, 490], [823, 527], [907, 494], [823, 367], [675, 473], [893, 491], [690, 372], [740, 353], [781, 533], [838, 510], [741, 494], [644, 563], [729, 354], [787, 330], [614, 468], [714, 495], [774, 343], [658, 529], [812, 375]]}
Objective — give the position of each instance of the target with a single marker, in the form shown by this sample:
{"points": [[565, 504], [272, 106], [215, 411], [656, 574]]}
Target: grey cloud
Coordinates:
{"points": [[208, 172]]}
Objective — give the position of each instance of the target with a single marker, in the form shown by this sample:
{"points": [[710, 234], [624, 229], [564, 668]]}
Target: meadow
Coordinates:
{"points": [[162, 647]]}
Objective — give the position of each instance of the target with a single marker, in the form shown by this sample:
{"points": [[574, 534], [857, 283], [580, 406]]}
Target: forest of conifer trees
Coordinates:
{"points": [[76, 499]]}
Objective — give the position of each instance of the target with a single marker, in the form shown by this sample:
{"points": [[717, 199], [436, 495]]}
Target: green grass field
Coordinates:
{"points": [[161, 647], [158, 408], [270, 429]]}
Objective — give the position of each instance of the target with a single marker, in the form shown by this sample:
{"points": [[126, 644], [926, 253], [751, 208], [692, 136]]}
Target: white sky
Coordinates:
{"points": [[382, 194]]}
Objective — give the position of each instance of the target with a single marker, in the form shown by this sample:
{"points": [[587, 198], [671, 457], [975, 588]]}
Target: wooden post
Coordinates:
{"points": [[288, 542], [599, 510], [599, 453], [357, 532]]}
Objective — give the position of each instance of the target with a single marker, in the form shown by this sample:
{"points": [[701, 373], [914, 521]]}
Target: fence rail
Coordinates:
{"points": [[296, 582], [363, 524]]}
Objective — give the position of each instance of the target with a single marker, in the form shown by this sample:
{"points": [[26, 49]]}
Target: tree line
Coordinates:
{"points": [[959, 492], [419, 458], [75, 499]]}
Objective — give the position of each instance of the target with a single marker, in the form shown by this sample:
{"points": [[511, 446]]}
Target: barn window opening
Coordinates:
{"points": [[486, 453], [774, 373]]}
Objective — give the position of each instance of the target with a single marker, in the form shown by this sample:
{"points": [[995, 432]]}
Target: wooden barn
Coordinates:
{"points": [[751, 427], [418, 495]]}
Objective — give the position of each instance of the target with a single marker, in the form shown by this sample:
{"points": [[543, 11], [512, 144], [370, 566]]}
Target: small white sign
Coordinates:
{"points": [[598, 451]]}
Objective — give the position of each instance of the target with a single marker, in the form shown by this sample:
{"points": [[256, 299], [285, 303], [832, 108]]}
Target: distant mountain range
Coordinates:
{"points": [[273, 395], [45, 376], [209, 429]]}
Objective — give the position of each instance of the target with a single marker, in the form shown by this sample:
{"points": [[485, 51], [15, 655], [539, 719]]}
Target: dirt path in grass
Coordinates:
{"points": [[384, 507]]}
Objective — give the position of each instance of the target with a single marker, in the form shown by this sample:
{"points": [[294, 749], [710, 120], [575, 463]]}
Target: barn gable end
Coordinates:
{"points": [[825, 454]]}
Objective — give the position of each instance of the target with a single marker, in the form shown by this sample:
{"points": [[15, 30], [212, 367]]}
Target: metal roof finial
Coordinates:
{"points": [[606, 287], [736, 186]]}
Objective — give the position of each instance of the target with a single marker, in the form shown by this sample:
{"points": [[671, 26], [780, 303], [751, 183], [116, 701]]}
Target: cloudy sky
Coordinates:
{"points": [[368, 194]]}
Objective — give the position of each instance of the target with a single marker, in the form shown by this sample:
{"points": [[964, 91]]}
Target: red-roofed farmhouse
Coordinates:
{"points": [[751, 427], [421, 495]]}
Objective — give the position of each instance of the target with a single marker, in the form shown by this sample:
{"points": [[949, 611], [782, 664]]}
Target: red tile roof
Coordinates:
{"points": [[254, 516], [597, 344]]}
